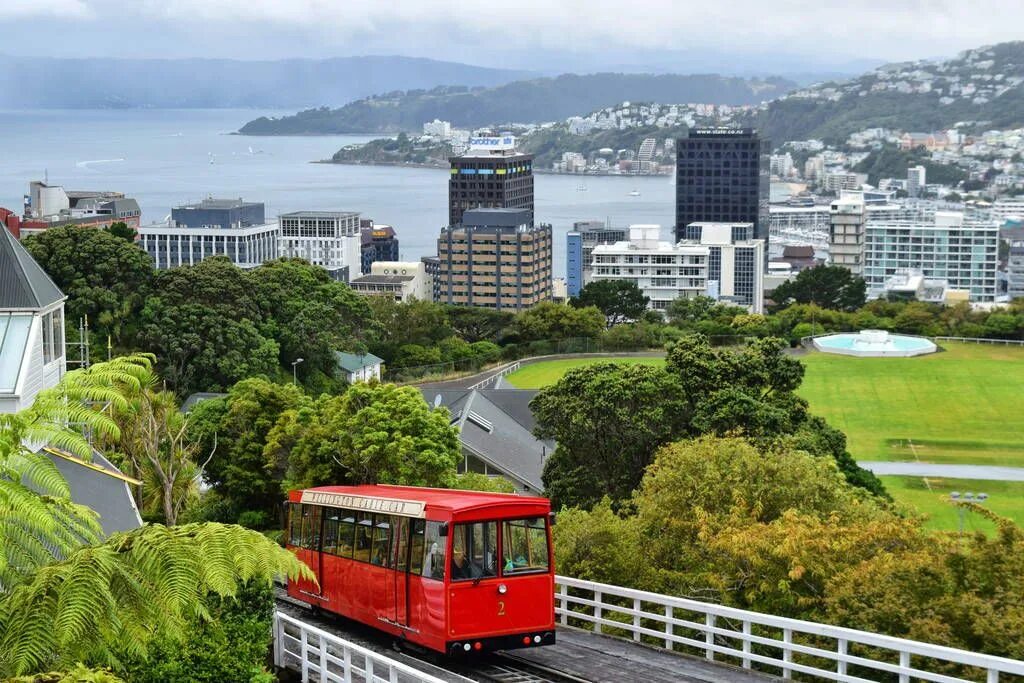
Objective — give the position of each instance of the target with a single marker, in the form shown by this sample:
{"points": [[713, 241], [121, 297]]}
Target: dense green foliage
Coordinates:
{"points": [[609, 419], [779, 531], [890, 162], [550, 321], [229, 646], [541, 99], [832, 287], [619, 300], [105, 277]]}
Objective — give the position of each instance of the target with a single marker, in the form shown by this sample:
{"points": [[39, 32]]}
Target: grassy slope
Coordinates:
{"points": [[538, 375], [1006, 499], [961, 406]]}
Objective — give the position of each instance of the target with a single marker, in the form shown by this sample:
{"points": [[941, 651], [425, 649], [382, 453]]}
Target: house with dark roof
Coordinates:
{"points": [[101, 486], [31, 327], [496, 433]]}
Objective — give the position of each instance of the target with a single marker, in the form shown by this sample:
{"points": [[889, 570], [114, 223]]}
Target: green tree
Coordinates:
{"points": [[104, 276], [373, 433], [832, 287], [476, 324], [618, 300], [549, 321], [309, 315], [608, 419], [396, 324], [235, 430], [121, 229]]}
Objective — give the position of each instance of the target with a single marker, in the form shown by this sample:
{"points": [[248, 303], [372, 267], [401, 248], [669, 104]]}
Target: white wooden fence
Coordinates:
{"points": [[320, 656], [775, 644]]}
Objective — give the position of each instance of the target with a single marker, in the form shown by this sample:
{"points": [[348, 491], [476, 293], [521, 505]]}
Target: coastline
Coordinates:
{"points": [[536, 171]]}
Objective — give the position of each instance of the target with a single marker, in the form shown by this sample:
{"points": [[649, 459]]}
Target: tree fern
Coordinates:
{"points": [[127, 590]]}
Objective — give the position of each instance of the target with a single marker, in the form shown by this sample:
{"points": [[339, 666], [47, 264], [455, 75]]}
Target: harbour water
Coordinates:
{"points": [[168, 157]]}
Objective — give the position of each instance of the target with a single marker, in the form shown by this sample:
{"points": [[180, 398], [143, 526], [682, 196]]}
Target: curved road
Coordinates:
{"points": [[925, 469]]}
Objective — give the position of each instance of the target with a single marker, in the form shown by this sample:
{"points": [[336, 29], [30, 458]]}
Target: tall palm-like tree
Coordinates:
{"points": [[65, 595]]}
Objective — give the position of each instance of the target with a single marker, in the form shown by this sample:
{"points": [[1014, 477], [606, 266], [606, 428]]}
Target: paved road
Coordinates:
{"points": [[924, 469]]}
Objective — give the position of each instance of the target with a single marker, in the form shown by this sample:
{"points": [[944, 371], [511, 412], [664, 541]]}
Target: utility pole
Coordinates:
{"points": [[968, 497]]}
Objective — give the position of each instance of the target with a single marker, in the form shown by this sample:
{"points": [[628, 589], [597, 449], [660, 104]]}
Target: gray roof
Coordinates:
{"points": [[350, 362], [496, 426], [100, 486], [23, 283], [195, 399], [504, 218]]}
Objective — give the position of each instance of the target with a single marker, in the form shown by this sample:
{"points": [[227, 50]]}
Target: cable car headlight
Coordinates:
{"points": [[502, 588]]}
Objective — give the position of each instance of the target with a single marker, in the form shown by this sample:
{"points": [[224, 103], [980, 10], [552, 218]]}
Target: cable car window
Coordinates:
{"points": [[474, 547], [524, 546], [331, 530], [416, 552], [381, 540], [433, 552], [310, 537], [346, 533], [364, 536], [295, 524]]}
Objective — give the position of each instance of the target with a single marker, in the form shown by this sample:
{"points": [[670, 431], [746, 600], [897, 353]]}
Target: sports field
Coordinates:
{"points": [[957, 406], [540, 375], [931, 496]]}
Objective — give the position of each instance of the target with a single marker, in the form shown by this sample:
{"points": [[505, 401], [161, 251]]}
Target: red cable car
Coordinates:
{"points": [[453, 571]]}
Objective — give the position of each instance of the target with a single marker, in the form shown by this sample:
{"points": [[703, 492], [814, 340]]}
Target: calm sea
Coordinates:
{"points": [[167, 157]]}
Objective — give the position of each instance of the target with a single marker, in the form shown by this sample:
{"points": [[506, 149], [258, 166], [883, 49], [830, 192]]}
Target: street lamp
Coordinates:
{"points": [[295, 363], [968, 497]]}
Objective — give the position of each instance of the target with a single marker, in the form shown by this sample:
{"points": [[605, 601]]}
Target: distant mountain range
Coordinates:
{"points": [[984, 87], [524, 101], [33, 82]]}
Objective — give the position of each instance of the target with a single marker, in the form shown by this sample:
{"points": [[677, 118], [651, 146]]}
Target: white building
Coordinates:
{"points": [[32, 353], [847, 218], [836, 182], [941, 244], [915, 181], [172, 245], [1008, 207], [359, 367], [438, 128], [329, 239], [399, 279], [724, 263]]}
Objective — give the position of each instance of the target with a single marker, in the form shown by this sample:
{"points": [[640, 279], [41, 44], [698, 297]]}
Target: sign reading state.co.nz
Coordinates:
{"points": [[502, 142]]}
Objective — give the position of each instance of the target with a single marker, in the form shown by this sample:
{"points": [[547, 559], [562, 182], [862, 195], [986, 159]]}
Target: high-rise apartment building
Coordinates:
{"points": [[490, 175], [915, 181], [379, 243], [580, 243], [847, 217], [495, 258], [735, 271], [329, 239], [173, 245], [722, 176], [1015, 270], [942, 245]]}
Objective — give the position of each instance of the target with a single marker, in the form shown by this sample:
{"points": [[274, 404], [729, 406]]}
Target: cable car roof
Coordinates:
{"points": [[411, 501]]}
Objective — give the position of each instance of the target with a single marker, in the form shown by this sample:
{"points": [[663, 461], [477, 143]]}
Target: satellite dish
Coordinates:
{"points": [[437, 401]]}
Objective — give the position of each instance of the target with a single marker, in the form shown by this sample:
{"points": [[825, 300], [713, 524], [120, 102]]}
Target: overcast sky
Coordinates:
{"points": [[822, 32]]}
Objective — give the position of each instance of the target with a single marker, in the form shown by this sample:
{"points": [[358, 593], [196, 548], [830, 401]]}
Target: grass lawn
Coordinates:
{"points": [[1006, 498], [539, 375], [957, 406]]}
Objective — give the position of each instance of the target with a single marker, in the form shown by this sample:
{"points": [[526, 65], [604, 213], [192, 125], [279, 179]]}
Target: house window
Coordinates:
{"points": [[52, 329]]}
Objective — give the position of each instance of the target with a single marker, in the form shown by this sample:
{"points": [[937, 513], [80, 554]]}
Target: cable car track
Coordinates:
{"points": [[512, 669]]}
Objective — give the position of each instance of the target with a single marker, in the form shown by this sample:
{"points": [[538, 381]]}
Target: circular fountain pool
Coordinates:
{"points": [[874, 343]]}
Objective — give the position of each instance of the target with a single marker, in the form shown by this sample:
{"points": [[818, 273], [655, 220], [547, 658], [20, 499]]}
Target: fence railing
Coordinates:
{"points": [[981, 340], [318, 655], [491, 379], [768, 643]]}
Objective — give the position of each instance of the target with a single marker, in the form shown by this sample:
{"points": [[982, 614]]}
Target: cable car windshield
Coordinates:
{"points": [[474, 548], [524, 546]]}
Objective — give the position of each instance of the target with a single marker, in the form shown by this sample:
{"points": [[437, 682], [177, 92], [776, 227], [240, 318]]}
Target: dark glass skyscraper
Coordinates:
{"points": [[722, 177], [491, 179]]}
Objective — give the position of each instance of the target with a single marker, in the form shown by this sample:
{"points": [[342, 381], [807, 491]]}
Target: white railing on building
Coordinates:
{"points": [[319, 656], [768, 643]]}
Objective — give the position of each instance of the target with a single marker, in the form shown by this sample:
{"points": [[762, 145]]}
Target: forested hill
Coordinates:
{"points": [[215, 83], [984, 86], [542, 99]]}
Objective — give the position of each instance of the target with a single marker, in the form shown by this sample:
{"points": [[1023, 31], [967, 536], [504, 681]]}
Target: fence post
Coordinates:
{"points": [[669, 627], [323, 659], [746, 644], [565, 604], [636, 619], [347, 663], [278, 641], [304, 654], [787, 654], [598, 612], [904, 664], [992, 677], [709, 636], [841, 663]]}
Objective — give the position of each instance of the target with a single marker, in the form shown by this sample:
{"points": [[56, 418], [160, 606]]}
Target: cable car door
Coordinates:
{"points": [[400, 588], [308, 547]]}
